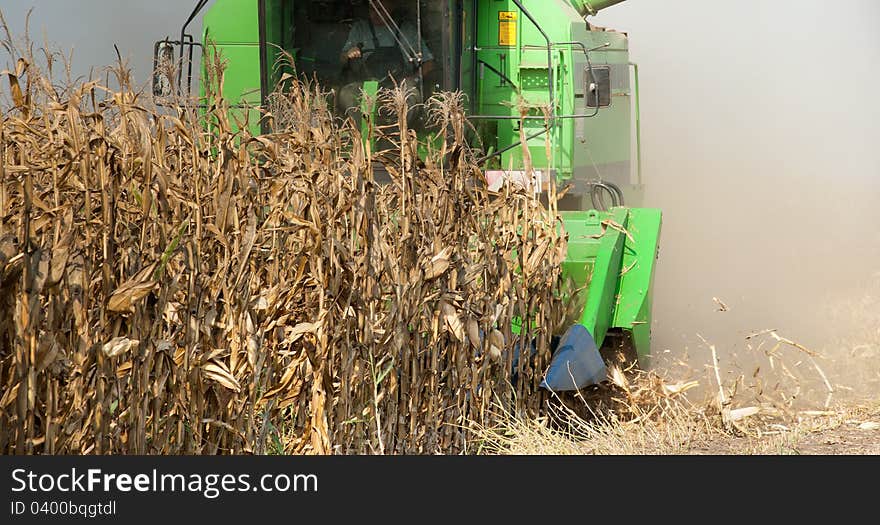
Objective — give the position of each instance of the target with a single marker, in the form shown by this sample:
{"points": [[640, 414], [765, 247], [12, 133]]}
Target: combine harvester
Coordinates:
{"points": [[576, 81]]}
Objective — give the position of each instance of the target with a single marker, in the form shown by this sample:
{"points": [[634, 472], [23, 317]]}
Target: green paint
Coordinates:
{"points": [[635, 288], [232, 28], [371, 90], [613, 253]]}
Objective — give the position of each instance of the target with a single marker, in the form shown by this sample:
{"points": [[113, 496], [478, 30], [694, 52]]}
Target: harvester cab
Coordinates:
{"points": [[533, 72]]}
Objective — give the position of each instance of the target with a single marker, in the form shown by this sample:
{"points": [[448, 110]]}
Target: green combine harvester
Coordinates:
{"points": [[575, 81]]}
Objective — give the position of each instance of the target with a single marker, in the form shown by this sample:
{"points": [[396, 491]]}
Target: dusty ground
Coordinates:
{"points": [[849, 431], [673, 428]]}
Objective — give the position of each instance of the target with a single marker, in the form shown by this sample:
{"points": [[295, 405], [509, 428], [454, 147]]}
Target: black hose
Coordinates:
{"points": [[618, 191], [596, 197], [598, 189]]}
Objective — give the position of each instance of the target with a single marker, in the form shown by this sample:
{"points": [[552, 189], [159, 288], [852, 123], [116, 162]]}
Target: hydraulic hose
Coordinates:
{"points": [[598, 190]]}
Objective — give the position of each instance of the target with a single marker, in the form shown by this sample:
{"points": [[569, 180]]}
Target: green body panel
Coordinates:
{"points": [[232, 28], [371, 89], [233, 21], [611, 255]]}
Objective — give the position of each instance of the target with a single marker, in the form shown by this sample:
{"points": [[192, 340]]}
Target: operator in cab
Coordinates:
{"points": [[386, 47]]}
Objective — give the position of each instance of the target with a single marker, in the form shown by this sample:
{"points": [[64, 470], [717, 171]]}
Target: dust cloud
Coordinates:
{"points": [[761, 127]]}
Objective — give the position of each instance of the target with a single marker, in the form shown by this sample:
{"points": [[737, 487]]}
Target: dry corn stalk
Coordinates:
{"points": [[174, 286]]}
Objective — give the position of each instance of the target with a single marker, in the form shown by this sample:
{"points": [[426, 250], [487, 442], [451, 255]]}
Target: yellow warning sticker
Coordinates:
{"points": [[507, 22]]}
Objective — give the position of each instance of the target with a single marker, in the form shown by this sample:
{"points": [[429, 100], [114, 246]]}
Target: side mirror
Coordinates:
{"points": [[163, 69], [598, 89]]}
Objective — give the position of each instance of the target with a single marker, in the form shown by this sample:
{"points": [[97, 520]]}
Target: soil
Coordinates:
{"points": [[852, 431]]}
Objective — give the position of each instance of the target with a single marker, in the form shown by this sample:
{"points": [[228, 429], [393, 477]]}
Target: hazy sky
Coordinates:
{"points": [[761, 126], [92, 27]]}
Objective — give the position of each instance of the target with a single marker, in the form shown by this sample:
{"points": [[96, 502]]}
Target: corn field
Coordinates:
{"points": [[170, 284]]}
